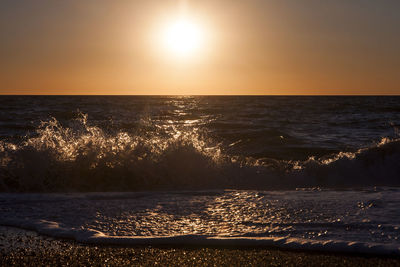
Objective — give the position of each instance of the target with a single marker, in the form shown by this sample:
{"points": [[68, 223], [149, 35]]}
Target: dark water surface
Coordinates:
{"points": [[280, 127], [319, 173], [147, 142]]}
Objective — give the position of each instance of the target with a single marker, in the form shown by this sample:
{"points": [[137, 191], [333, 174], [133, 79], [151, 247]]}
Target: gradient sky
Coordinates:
{"points": [[253, 47]]}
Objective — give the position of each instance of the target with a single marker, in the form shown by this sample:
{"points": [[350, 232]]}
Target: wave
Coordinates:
{"points": [[83, 157], [90, 236]]}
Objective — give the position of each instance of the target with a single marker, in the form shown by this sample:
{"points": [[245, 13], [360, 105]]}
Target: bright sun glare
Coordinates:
{"points": [[183, 37]]}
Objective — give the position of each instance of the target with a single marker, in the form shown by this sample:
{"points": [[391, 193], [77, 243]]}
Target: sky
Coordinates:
{"points": [[261, 47]]}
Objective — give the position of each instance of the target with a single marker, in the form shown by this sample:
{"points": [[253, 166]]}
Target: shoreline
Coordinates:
{"points": [[24, 247]]}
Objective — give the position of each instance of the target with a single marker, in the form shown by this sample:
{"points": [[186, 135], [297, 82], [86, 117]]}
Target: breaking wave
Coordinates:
{"points": [[82, 157]]}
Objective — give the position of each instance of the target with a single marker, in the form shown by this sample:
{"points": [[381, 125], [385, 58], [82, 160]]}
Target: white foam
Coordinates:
{"points": [[336, 221], [89, 236]]}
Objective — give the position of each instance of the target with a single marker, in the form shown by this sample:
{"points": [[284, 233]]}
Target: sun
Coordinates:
{"points": [[183, 37]]}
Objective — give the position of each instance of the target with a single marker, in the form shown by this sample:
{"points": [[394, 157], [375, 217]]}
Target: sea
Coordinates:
{"points": [[315, 173]]}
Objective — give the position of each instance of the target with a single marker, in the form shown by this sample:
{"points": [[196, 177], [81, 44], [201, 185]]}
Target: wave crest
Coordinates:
{"points": [[82, 157]]}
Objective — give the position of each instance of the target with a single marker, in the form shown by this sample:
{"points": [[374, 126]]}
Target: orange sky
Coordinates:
{"points": [[253, 47]]}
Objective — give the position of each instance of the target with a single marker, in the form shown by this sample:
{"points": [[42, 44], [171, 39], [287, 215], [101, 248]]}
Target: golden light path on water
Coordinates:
{"points": [[313, 215]]}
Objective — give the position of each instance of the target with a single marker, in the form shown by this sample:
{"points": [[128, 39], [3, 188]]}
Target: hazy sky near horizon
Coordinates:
{"points": [[249, 47]]}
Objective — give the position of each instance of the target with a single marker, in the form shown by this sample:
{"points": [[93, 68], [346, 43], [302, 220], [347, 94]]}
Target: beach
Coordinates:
{"points": [[26, 248]]}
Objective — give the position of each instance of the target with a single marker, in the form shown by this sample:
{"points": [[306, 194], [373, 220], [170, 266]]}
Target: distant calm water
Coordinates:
{"points": [[226, 158]]}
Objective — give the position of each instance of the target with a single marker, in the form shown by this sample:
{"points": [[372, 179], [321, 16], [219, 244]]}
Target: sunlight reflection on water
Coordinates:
{"points": [[322, 215]]}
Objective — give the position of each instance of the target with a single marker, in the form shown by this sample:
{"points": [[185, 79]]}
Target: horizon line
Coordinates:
{"points": [[199, 94]]}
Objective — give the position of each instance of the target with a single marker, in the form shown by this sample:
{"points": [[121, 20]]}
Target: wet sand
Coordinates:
{"points": [[26, 248]]}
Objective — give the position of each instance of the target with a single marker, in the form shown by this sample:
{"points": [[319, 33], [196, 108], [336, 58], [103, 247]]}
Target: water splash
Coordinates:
{"points": [[83, 157]]}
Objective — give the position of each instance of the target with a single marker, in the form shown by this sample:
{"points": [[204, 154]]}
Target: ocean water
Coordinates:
{"points": [[302, 172]]}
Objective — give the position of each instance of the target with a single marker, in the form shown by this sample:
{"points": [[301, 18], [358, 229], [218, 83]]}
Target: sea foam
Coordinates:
{"points": [[335, 221], [83, 157]]}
